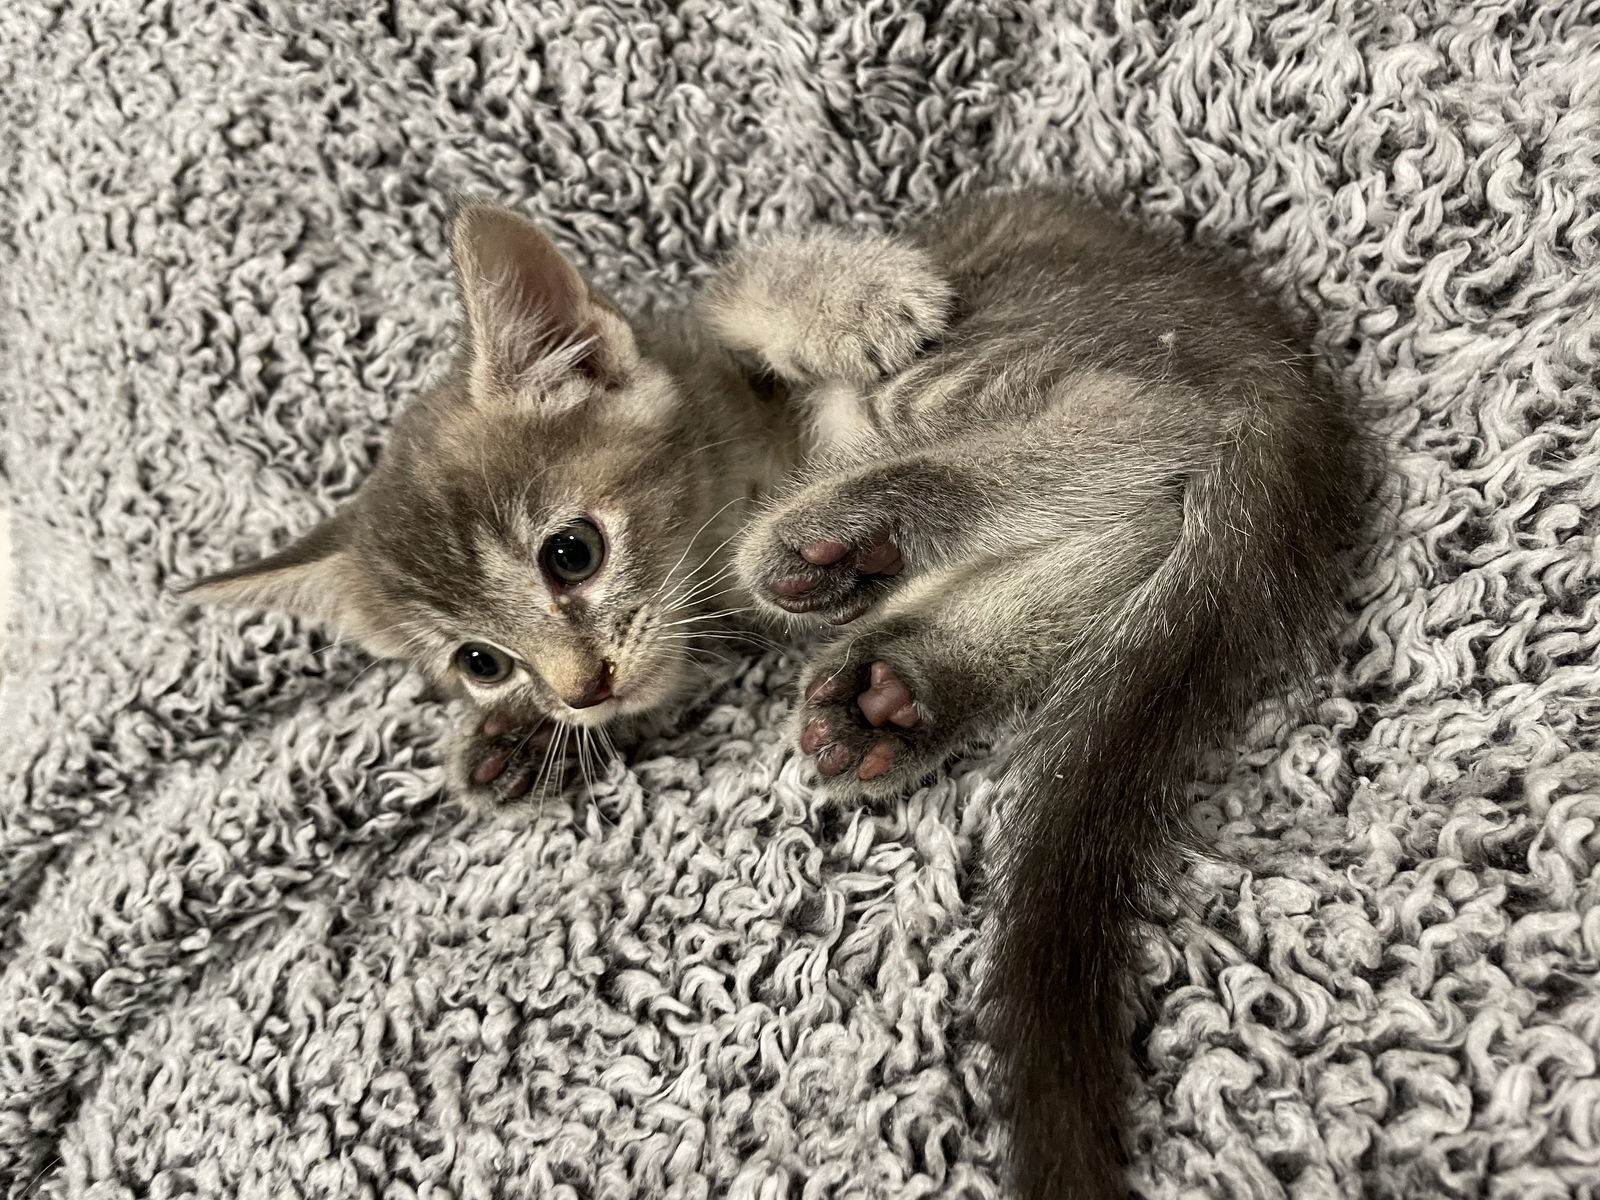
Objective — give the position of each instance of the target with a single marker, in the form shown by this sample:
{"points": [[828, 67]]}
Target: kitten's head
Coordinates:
{"points": [[532, 533]]}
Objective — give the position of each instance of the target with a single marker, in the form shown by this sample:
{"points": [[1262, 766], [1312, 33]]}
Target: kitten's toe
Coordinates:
{"points": [[498, 724], [876, 762], [823, 552], [500, 782], [491, 767], [792, 587]]}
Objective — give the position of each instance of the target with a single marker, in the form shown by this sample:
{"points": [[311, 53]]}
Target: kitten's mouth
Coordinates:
{"points": [[619, 701]]}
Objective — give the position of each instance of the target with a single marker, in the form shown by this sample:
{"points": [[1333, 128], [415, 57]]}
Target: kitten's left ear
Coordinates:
{"points": [[529, 311], [313, 578]]}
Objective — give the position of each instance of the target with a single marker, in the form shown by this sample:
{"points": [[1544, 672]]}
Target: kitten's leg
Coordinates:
{"points": [[843, 543], [829, 306], [954, 657]]}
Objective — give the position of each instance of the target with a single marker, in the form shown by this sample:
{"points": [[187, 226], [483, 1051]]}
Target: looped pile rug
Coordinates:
{"points": [[247, 951]]}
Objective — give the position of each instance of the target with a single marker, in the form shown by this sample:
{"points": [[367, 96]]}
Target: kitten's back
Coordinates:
{"points": [[1052, 275]]}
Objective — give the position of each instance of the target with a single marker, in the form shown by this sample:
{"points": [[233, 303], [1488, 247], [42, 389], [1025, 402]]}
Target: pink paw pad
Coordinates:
{"points": [[878, 760], [887, 699], [880, 557], [834, 760], [492, 767], [793, 585], [823, 553]]}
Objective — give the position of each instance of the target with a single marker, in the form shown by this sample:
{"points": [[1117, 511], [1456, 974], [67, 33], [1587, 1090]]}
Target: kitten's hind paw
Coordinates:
{"points": [[499, 759], [863, 726]]}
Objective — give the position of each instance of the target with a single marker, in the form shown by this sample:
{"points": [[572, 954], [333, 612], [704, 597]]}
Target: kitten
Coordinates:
{"points": [[1059, 469], [545, 534], [1067, 469]]}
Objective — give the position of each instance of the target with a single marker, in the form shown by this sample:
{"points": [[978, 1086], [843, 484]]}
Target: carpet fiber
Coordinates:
{"points": [[247, 951]]}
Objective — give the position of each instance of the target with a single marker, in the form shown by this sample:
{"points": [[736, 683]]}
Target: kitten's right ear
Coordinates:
{"points": [[311, 578], [528, 308]]}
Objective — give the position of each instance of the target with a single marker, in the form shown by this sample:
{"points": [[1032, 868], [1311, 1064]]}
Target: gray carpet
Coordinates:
{"points": [[245, 949]]}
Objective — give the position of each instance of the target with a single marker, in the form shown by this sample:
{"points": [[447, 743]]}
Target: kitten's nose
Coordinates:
{"points": [[598, 690]]}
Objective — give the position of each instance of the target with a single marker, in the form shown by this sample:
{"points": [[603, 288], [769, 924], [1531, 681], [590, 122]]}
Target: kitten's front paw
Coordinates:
{"points": [[863, 725], [500, 759], [802, 566], [830, 305]]}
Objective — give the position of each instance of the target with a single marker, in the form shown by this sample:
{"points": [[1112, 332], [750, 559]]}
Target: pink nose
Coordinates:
{"points": [[598, 691]]}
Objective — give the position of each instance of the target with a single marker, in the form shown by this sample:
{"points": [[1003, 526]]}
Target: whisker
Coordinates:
{"points": [[844, 658], [686, 597], [550, 774], [683, 598], [605, 737], [345, 691], [488, 491], [594, 802], [714, 550], [738, 639], [727, 612], [697, 658], [34, 1182], [583, 761], [537, 786], [692, 586], [526, 738], [694, 583], [690, 544], [714, 445]]}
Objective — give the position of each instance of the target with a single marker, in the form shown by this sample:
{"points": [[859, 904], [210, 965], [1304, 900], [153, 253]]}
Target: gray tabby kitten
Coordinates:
{"points": [[1067, 471], [1057, 470]]}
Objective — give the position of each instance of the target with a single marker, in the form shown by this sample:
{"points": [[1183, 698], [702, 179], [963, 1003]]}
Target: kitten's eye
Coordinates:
{"points": [[482, 664], [575, 553]]}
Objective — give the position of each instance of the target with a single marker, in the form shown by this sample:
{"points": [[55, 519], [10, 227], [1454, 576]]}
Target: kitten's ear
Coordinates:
{"points": [[311, 578], [528, 310]]}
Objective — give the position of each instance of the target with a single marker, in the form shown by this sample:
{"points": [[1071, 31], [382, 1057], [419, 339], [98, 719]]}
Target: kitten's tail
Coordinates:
{"points": [[1093, 825]]}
